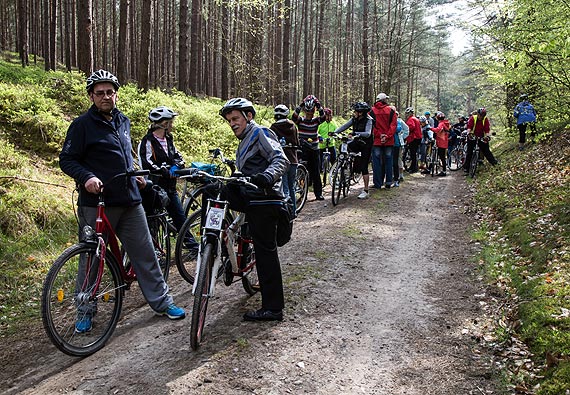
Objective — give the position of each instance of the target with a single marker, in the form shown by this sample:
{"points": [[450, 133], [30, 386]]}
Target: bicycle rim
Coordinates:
{"points": [[346, 179], [201, 296], [66, 299], [454, 160], [161, 242], [185, 252], [250, 280], [301, 187]]}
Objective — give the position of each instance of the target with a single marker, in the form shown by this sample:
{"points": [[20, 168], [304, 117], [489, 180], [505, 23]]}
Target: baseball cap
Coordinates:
{"points": [[382, 97]]}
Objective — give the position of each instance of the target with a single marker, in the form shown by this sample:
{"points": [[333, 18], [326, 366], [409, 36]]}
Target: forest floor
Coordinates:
{"points": [[382, 297]]}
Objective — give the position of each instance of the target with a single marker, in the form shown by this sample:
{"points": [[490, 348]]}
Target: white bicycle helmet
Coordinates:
{"points": [[409, 110], [161, 113], [281, 111], [101, 76], [237, 103]]}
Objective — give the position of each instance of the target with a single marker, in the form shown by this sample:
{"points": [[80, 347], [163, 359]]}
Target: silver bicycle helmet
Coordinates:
{"points": [[161, 113], [409, 110], [423, 119], [281, 111], [101, 76], [309, 103], [237, 103]]}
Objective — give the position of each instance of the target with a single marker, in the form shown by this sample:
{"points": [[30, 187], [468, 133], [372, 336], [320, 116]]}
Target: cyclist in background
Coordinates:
{"points": [[259, 155], [479, 131], [427, 138], [158, 154], [526, 115], [308, 130], [402, 132], [325, 128], [362, 124], [414, 137], [442, 140], [385, 124], [97, 147], [287, 134]]}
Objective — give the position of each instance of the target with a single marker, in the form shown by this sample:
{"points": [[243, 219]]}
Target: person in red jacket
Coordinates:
{"points": [[385, 124], [442, 139], [414, 138], [479, 132]]}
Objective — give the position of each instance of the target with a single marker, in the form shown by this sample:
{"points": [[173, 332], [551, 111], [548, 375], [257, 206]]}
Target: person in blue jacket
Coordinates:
{"points": [[526, 115], [96, 148]]}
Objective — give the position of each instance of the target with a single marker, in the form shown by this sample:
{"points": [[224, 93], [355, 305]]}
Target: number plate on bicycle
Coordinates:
{"points": [[344, 147], [215, 218]]}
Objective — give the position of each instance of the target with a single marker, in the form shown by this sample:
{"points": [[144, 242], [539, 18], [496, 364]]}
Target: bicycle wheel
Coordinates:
{"points": [[407, 158], [193, 201], [201, 295], [186, 249], [347, 178], [455, 161], [248, 268], [433, 160], [71, 293], [474, 163], [161, 241], [301, 187], [337, 184]]}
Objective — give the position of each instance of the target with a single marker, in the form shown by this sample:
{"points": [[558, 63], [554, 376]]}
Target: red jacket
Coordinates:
{"points": [[415, 129], [480, 127], [382, 125], [442, 133]]}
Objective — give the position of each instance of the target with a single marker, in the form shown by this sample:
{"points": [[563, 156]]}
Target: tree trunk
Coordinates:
{"points": [[23, 32], [183, 48], [85, 36], [123, 49], [144, 61]]}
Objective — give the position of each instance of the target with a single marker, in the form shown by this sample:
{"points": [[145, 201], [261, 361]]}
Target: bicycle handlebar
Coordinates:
{"points": [[195, 173]]}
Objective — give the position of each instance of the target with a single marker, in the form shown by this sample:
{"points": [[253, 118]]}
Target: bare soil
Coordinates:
{"points": [[382, 297]]}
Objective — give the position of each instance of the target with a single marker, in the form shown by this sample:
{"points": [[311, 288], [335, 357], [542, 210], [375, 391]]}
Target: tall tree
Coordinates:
{"points": [[146, 27], [23, 32], [85, 36], [123, 50]]}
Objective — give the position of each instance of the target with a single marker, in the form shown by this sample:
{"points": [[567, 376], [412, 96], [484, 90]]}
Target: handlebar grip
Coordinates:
{"points": [[140, 173]]}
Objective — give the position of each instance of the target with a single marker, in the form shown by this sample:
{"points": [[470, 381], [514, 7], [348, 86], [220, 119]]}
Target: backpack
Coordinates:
{"points": [[285, 222]]}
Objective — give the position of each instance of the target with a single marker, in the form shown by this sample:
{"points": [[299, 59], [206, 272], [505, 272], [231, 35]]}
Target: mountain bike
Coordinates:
{"points": [[301, 180], [474, 158], [456, 157], [433, 163], [343, 172], [87, 278], [226, 250]]}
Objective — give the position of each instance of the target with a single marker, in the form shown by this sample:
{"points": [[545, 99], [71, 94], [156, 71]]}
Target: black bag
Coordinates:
{"points": [[154, 199], [285, 222]]}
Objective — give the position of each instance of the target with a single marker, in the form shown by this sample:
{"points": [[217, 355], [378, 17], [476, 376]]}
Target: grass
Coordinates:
{"points": [[525, 233]]}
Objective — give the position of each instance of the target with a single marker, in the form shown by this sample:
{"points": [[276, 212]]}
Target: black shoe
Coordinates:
{"points": [[263, 315], [320, 197]]}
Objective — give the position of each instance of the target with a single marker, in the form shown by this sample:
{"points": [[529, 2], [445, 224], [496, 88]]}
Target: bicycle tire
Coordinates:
{"points": [[474, 163], [407, 158], [336, 185], [61, 301], [160, 236], [301, 187], [248, 268], [455, 161], [433, 160], [347, 178], [184, 255], [201, 296], [193, 202]]}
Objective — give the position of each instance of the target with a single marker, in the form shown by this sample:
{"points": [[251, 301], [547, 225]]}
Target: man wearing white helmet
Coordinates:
{"points": [[260, 157], [97, 148]]}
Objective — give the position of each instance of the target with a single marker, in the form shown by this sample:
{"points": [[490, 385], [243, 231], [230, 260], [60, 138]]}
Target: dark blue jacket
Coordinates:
{"points": [[97, 147]]}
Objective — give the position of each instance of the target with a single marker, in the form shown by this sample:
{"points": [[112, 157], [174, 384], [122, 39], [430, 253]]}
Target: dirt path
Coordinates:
{"points": [[380, 296]]}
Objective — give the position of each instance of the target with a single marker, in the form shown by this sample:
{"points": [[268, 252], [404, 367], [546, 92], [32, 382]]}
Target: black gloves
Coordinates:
{"points": [[165, 172], [261, 180]]}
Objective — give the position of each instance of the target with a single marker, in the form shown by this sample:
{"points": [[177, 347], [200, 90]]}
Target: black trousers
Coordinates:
{"points": [[262, 220], [314, 166], [483, 148]]}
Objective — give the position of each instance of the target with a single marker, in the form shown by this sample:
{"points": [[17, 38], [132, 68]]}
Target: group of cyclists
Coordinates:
{"points": [[98, 146]]}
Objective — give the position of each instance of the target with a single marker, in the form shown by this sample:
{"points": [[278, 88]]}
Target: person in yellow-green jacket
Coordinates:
{"points": [[325, 142]]}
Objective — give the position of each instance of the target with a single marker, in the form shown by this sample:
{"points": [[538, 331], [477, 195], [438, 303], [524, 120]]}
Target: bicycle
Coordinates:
{"points": [[432, 160], [87, 278], [301, 181], [343, 172], [457, 155], [226, 249], [474, 157]]}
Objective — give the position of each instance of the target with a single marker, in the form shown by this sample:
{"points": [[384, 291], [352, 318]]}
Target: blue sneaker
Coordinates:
{"points": [[174, 312], [83, 324]]}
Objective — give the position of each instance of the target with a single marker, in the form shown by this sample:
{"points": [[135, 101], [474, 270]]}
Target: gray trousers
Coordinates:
{"points": [[131, 228]]}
